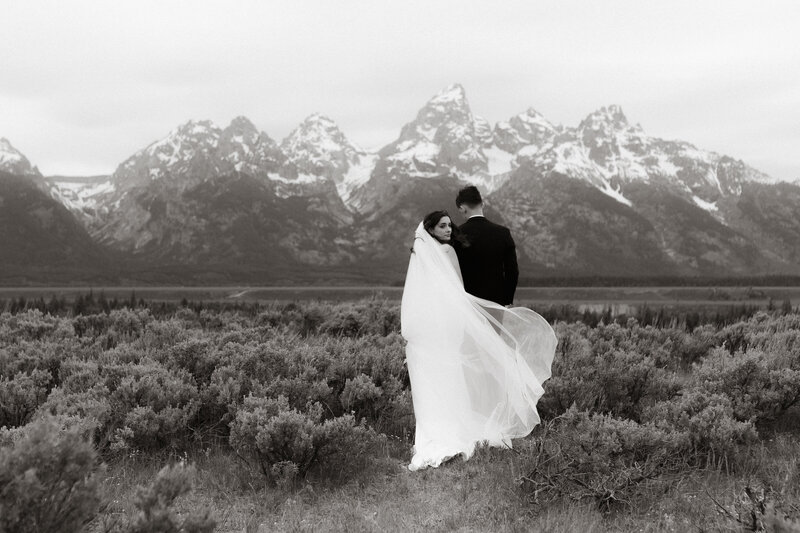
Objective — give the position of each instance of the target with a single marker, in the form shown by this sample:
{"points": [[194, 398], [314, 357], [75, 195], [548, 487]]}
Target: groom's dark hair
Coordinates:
{"points": [[470, 196]]}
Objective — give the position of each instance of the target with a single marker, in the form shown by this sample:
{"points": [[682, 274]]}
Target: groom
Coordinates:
{"points": [[489, 263]]}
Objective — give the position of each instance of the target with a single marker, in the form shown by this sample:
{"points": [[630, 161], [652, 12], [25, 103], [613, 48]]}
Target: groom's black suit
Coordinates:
{"points": [[489, 263]]}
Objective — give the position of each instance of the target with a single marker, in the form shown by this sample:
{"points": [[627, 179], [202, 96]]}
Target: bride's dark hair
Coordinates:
{"points": [[431, 219]]}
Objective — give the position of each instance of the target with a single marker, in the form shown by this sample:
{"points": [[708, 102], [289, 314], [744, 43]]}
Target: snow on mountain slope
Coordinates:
{"points": [[357, 175], [199, 150], [14, 162], [318, 148], [442, 140], [606, 151], [82, 196], [526, 129]]}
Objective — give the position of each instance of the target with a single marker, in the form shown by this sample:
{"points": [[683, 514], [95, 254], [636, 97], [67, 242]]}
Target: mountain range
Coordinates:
{"points": [[210, 204]]}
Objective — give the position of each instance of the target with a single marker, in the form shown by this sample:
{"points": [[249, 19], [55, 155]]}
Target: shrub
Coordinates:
{"points": [[21, 395], [312, 318], [161, 335], [156, 407], [91, 325], [26, 356], [707, 420], [362, 396], [343, 322], [687, 349], [79, 376], [614, 375], [272, 433], [760, 385], [29, 325], [380, 358], [129, 324], [630, 380], [196, 356], [90, 409], [210, 320], [367, 317], [48, 480], [597, 457], [154, 506]]}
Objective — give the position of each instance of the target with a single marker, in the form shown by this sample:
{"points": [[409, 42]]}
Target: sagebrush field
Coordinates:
{"points": [[142, 416]]}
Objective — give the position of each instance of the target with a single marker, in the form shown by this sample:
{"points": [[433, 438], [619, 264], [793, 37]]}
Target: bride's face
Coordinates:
{"points": [[443, 229]]}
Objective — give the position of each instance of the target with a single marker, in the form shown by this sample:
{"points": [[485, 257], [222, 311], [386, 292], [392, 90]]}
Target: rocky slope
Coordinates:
{"points": [[41, 240]]}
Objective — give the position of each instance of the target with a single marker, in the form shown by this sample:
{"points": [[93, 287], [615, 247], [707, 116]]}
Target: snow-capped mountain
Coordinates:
{"points": [[197, 150], [529, 129], [39, 237], [204, 195], [84, 196], [609, 153], [599, 198], [445, 140], [77, 194], [318, 150], [13, 162], [681, 200]]}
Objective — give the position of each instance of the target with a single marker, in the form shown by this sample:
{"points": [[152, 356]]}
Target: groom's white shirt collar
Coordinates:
{"points": [[473, 216]]}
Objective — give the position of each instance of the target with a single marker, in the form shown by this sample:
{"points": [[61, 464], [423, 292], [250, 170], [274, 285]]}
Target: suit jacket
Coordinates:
{"points": [[489, 263]]}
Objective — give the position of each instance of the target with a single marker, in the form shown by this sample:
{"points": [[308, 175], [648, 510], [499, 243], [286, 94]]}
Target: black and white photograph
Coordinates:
{"points": [[399, 266]]}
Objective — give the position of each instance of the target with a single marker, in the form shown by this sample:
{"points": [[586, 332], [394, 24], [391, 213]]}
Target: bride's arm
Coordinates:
{"points": [[450, 252]]}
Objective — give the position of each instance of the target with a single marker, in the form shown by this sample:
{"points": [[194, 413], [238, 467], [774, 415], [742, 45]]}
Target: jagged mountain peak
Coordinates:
{"points": [[531, 114], [450, 101], [241, 132], [246, 149], [195, 129], [483, 131], [317, 132], [448, 105], [317, 147], [447, 109], [317, 118], [444, 140], [452, 94], [441, 140], [606, 117], [182, 142], [242, 124], [525, 129], [199, 149], [317, 128], [14, 162], [5, 146]]}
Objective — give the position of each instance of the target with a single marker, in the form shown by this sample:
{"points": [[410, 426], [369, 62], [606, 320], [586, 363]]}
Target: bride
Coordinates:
{"points": [[476, 367]]}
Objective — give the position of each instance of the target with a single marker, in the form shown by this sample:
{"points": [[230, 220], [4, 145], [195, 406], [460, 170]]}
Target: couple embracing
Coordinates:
{"points": [[475, 363]]}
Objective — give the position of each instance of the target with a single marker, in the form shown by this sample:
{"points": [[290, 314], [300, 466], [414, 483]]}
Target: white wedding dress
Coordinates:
{"points": [[476, 367]]}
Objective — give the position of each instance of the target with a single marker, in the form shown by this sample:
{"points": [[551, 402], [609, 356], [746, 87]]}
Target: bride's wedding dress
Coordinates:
{"points": [[476, 368]]}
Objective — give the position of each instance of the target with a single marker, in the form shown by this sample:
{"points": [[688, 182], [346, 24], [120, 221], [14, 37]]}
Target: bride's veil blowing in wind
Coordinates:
{"points": [[476, 368]]}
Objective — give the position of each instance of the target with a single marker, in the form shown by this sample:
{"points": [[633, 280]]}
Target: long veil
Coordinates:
{"points": [[476, 367]]}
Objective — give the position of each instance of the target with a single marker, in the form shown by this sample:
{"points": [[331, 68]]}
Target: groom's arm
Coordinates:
{"points": [[510, 268]]}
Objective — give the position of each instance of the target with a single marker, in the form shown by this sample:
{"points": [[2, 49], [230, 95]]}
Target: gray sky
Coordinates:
{"points": [[84, 84]]}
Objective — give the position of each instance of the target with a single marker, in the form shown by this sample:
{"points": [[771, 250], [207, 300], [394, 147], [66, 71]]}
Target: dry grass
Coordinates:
{"points": [[481, 494]]}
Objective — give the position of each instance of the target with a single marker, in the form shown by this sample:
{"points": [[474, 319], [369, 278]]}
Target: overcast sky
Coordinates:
{"points": [[85, 84]]}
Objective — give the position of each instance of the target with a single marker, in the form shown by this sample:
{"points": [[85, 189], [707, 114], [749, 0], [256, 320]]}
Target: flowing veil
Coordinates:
{"points": [[476, 367]]}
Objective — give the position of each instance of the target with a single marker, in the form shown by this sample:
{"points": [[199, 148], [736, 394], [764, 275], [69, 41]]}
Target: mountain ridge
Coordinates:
{"points": [[601, 197]]}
